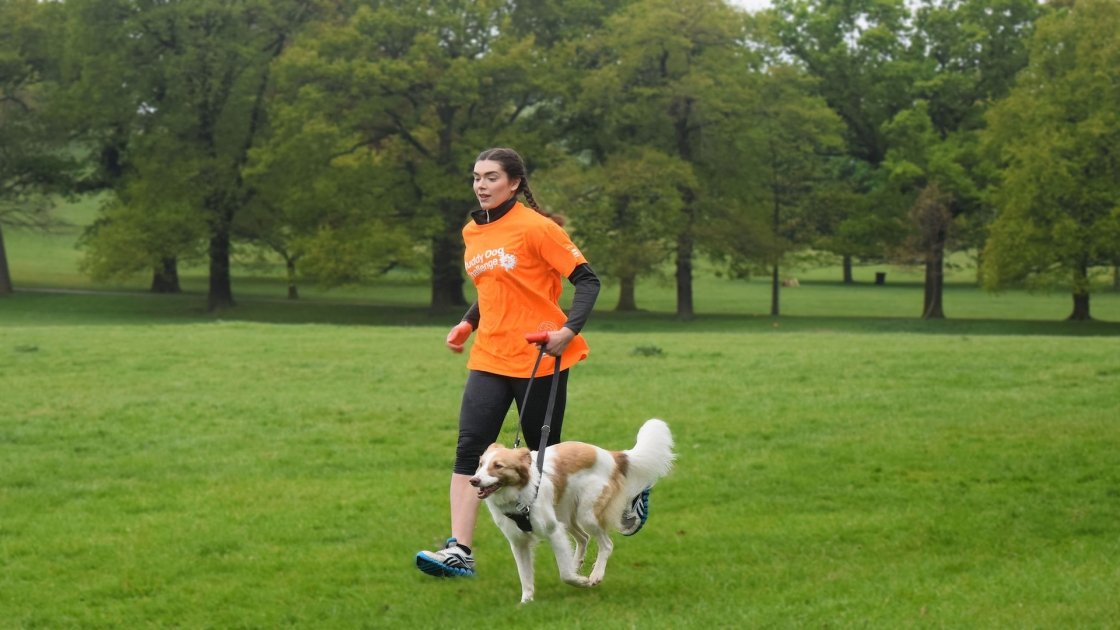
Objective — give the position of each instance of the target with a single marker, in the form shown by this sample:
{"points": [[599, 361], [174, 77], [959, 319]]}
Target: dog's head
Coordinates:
{"points": [[501, 467]]}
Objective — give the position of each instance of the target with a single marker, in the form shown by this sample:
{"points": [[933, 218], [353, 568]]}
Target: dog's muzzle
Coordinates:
{"points": [[488, 490]]}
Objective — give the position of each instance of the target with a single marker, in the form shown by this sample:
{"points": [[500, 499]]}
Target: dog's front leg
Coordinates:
{"points": [[565, 558], [522, 547]]}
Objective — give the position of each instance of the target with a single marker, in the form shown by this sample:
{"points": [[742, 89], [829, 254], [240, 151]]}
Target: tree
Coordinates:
{"points": [[422, 87], [969, 53], [1055, 137], [186, 85], [857, 50], [630, 210], [322, 206], [669, 77], [33, 160], [927, 170], [791, 132]]}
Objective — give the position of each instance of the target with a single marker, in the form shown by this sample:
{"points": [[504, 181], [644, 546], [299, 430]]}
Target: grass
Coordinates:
{"points": [[243, 474], [279, 464]]}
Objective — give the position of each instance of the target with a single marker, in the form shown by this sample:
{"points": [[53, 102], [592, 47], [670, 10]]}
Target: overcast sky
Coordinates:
{"points": [[751, 5]]}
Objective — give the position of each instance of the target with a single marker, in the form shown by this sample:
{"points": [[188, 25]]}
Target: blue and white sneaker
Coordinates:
{"points": [[454, 560], [635, 516]]}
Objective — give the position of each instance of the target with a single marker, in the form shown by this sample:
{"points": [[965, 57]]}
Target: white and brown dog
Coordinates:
{"points": [[582, 493]]}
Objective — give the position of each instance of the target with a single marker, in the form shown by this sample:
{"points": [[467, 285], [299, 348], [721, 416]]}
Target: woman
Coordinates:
{"points": [[516, 257]]}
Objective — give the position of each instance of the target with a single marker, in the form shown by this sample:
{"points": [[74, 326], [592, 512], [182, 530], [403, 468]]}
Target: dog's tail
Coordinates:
{"points": [[651, 458]]}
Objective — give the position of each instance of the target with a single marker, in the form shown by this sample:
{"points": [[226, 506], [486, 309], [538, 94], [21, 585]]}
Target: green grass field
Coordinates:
{"points": [[279, 464]]}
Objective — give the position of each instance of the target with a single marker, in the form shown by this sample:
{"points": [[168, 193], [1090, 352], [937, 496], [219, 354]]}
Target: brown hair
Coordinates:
{"points": [[514, 168]]}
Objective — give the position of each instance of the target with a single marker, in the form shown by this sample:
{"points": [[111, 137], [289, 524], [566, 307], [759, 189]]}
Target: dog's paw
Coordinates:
{"points": [[594, 578], [525, 599], [578, 580]]}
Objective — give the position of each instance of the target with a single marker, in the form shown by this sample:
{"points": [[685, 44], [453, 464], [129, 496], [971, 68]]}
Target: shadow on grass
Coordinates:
{"points": [[46, 308]]}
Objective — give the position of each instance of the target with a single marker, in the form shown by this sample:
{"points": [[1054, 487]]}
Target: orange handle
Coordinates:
{"points": [[537, 337]]}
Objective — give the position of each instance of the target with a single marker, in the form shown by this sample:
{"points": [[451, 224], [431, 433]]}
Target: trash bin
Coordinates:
{"points": [[880, 277]]}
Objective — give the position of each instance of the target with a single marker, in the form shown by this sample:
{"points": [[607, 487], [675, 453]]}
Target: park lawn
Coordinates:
{"points": [[178, 469]]}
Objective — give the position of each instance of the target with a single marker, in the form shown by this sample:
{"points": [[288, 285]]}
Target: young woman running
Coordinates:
{"points": [[516, 256]]}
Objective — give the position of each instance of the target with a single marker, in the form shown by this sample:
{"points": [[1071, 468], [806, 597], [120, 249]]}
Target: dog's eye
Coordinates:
{"points": [[498, 466]]}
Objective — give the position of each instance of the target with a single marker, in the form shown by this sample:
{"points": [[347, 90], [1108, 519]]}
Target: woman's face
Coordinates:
{"points": [[491, 184]]}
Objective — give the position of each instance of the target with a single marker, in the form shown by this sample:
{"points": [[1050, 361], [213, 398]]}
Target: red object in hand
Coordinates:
{"points": [[537, 337], [458, 336]]}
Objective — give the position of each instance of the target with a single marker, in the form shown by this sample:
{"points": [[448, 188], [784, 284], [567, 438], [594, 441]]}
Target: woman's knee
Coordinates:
{"points": [[468, 451]]}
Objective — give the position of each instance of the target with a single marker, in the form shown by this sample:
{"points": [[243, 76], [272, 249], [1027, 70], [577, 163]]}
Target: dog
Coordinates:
{"points": [[582, 494]]}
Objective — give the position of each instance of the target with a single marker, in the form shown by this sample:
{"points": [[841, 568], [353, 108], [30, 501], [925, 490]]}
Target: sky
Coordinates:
{"points": [[751, 5]]}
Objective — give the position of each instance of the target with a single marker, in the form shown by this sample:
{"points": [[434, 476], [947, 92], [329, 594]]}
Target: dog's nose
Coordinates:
{"points": [[475, 481]]}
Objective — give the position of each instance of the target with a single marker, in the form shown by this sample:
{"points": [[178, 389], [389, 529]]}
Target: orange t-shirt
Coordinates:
{"points": [[517, 264]]}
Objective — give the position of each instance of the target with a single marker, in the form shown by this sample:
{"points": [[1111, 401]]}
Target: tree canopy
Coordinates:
{"points": [[1055, 137], [338, 135]]}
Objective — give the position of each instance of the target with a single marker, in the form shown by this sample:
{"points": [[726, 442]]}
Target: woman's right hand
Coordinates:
{"points": [[458, 336]]}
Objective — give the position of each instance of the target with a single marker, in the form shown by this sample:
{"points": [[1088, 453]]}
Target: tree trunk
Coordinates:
{"points": [[221, 285], [447, 276], [847, 262], [1080, 294], [685, 310], [682, 113], [1080, 307], [626, 297], [5, 275], [934, 286], [293, 291], [165, 278], [775, 293]]}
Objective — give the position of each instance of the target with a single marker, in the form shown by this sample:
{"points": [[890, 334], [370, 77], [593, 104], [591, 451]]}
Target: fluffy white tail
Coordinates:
{"points": [[651, 458]]}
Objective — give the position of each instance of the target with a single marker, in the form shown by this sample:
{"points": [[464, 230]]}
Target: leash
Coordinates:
{"points": [[521, 516]]}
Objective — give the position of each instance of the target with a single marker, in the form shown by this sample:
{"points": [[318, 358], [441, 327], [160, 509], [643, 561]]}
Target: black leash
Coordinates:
{"points": [[521, 516]]}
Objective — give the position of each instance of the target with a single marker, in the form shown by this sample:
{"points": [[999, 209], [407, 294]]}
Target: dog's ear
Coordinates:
{"points": [[525, 464]]}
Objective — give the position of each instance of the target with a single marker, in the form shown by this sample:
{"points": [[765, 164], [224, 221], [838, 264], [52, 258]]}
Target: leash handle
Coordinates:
{"points": [[537, 337]]}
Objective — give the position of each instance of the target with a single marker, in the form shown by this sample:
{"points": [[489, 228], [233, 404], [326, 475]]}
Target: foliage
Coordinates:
{"points": [[414, 90], [791, 134], [184, 86], [670, 79], [34, 162], [858, 53], [335, 135], [1054, 137], [630, 209]]}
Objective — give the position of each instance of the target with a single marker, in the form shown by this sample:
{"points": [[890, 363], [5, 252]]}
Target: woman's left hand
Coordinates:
{"points": [[558, 340]]}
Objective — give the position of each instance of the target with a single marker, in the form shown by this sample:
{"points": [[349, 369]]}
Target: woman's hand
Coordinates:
{"points": [[558, 340], [459, 335]]}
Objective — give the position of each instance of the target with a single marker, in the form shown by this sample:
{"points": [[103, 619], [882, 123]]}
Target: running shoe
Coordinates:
{"points": [[454, 560], [635, 516]]}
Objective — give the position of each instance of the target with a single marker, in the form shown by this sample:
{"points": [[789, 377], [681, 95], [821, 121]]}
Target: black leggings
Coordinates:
{"points": [[486, 401]]}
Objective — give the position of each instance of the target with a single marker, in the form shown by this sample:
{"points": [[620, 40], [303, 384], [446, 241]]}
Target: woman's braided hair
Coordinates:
{"points": [[514, 167]]}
